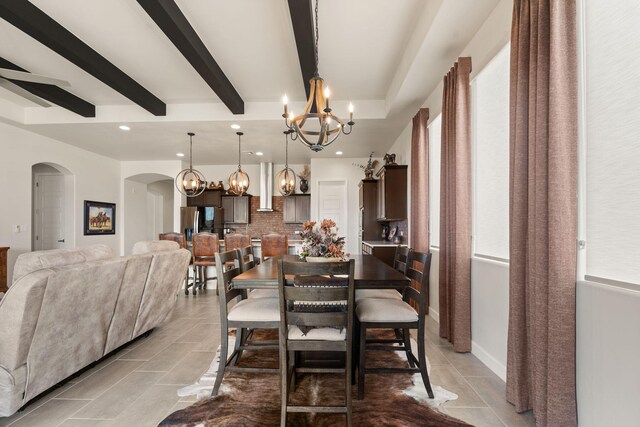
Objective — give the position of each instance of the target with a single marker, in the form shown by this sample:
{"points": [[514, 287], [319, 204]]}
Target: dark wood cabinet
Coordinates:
{"points": [[237, 210], [207, 198], [368, 196], [3, 269], [392, 193], [296, 208]]}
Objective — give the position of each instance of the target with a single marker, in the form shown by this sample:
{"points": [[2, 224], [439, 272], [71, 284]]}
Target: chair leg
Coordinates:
{"points": [[224, 344], [241, 337], [347, 383], [406, 337], [361, 364], [292, 369], [422, 359], [356, 351], [196, 280], [186, 283], [284, 385]]}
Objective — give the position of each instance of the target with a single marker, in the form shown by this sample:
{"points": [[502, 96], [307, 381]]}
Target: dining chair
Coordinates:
{"points": [[400, 263], [245, 316], [303, 288], [273, 245], [205, 246], [181, 240], [390, 313], [248, 262]]}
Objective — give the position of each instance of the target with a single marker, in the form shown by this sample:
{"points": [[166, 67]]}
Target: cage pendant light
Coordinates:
{"points": [[190, 181], [286, 177], [239, 179]]}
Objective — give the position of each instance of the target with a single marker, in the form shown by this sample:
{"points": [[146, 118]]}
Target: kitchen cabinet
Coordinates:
{"points": [[237, 210], [3, 269], [368, 196], [207, 198], [392, 193], [296, 208]]}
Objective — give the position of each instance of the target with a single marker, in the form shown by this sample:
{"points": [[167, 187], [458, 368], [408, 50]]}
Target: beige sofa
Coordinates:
{"points": [[68, 308]]}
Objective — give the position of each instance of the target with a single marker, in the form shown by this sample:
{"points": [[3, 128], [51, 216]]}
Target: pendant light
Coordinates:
{"points": [[286, 177], [239, 180], [190, 181], [316, 127]]}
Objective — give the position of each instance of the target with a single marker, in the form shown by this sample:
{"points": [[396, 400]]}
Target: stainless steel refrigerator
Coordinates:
{"points": [[200, 219]]}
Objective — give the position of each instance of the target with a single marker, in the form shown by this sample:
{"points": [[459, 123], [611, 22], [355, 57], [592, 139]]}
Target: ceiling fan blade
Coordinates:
{"points": [[30, 77], [12, 87]]}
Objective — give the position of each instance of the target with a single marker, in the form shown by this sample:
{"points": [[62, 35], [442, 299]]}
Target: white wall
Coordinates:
{"points": [[96, 178], [166, 190], [340, 169], [135, 202]]}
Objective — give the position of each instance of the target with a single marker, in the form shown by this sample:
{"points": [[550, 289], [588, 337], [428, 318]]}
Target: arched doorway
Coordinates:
{"points": [[52, 207], [148, 207]]}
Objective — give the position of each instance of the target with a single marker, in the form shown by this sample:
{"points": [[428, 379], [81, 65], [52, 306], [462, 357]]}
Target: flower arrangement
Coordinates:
{"points": [[368, 169], [305, 173], [321, 240]]}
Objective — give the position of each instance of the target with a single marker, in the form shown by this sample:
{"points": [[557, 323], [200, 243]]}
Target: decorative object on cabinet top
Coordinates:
{"points": [[369, 167], [389, 159]]}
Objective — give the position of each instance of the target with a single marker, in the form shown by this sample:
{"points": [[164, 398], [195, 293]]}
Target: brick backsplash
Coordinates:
{"points": [[268, 222]]}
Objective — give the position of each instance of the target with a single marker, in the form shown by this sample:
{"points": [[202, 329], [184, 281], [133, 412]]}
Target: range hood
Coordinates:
{"points": [[266, 187]]}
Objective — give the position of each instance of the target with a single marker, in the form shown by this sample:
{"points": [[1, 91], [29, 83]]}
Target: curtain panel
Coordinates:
{"points": [[455, 208], [543, 211]]}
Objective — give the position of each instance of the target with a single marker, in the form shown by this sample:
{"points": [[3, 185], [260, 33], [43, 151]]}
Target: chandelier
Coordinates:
{"points": [[317, 126], [239, 180], [190, 181], [286, 177]]}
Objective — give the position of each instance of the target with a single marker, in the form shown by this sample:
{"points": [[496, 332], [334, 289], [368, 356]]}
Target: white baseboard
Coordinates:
{"points": [[491, 362], [434, 315]]}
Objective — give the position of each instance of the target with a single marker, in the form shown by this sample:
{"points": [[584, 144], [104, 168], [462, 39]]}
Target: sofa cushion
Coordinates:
{"points": [[33, 261], [150, 246]]}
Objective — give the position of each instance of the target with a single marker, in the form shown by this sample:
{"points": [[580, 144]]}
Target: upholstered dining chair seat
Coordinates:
{"points": [[256, 310], [385, 310], [263, 293], [361, 294], [323, 334]]}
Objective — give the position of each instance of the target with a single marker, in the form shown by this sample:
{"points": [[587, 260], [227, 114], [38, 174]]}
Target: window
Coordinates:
{"points": [[435, 128], [490, 91], [611, 139]]}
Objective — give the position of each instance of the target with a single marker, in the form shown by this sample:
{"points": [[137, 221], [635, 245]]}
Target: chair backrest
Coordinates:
{"points": [[327, 291], [247, 258], [419, 274], [228, 267], [205, 244], [274, 244], [236, 241], [179, 238], [400, 260]]}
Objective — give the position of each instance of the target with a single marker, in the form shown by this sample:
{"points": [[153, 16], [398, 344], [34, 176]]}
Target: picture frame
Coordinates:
{"points": [[99, 218]]}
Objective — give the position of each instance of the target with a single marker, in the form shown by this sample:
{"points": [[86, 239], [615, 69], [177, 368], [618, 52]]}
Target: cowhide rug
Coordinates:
{"points": [[253, 399]]}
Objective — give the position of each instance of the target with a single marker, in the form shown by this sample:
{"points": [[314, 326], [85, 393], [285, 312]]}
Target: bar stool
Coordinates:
{"points": [[274, 244], [180, 239], [205, 247]]}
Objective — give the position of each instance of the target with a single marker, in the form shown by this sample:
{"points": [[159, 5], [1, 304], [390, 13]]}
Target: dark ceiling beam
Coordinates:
{"points": [[28, 18], [168, 16], [52, 93], [301, 12]]}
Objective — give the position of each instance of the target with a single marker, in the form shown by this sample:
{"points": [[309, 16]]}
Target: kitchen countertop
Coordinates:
{"points": [[379, 243]]}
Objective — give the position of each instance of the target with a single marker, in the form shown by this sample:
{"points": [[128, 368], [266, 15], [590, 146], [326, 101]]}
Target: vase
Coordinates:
{"points": [[368, 174], [304, 185], [322, 259]]}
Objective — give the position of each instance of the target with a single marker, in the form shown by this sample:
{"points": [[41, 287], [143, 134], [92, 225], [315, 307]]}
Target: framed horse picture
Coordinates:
{"points": [[99, 218]]}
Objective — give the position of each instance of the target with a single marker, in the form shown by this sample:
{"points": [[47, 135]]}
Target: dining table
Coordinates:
{"points": [[370, 273]]}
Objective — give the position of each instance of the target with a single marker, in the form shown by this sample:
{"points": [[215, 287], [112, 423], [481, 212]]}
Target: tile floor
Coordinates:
{"points": [[137, 385]]}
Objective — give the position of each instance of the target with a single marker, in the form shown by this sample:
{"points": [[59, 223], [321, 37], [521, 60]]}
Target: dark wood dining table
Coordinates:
{"points": [[370, 273]]}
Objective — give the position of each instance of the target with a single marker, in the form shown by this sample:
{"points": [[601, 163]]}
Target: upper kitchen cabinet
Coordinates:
{"points": [[207, 198], [237, 210], [392, 193], [297, 208]]}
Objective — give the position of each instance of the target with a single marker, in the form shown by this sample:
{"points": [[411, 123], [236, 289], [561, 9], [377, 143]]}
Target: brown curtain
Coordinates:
{"points": [[419, 236], [455, 208], [543, 211]]}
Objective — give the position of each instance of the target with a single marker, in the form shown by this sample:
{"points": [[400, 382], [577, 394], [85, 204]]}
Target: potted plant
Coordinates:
{"points": [[304, 178], [369, 168], [321, 243]]}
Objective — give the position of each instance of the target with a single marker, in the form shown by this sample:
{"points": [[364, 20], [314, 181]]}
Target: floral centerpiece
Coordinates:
{"points": [[322, 241]]}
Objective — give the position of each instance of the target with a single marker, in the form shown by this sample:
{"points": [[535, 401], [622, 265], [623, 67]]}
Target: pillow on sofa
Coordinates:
{"points": [[149, 246], [33, 261]]}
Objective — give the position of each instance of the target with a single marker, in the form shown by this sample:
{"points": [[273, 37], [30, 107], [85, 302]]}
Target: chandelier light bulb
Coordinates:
{"points": [[327, 92], [350, 107], [285, 99]]}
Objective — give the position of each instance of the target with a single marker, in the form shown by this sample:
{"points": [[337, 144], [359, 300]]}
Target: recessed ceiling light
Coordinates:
{"points": [[124, 127], [259, 153], [339, 153], [235, 126], [180, 154]]}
